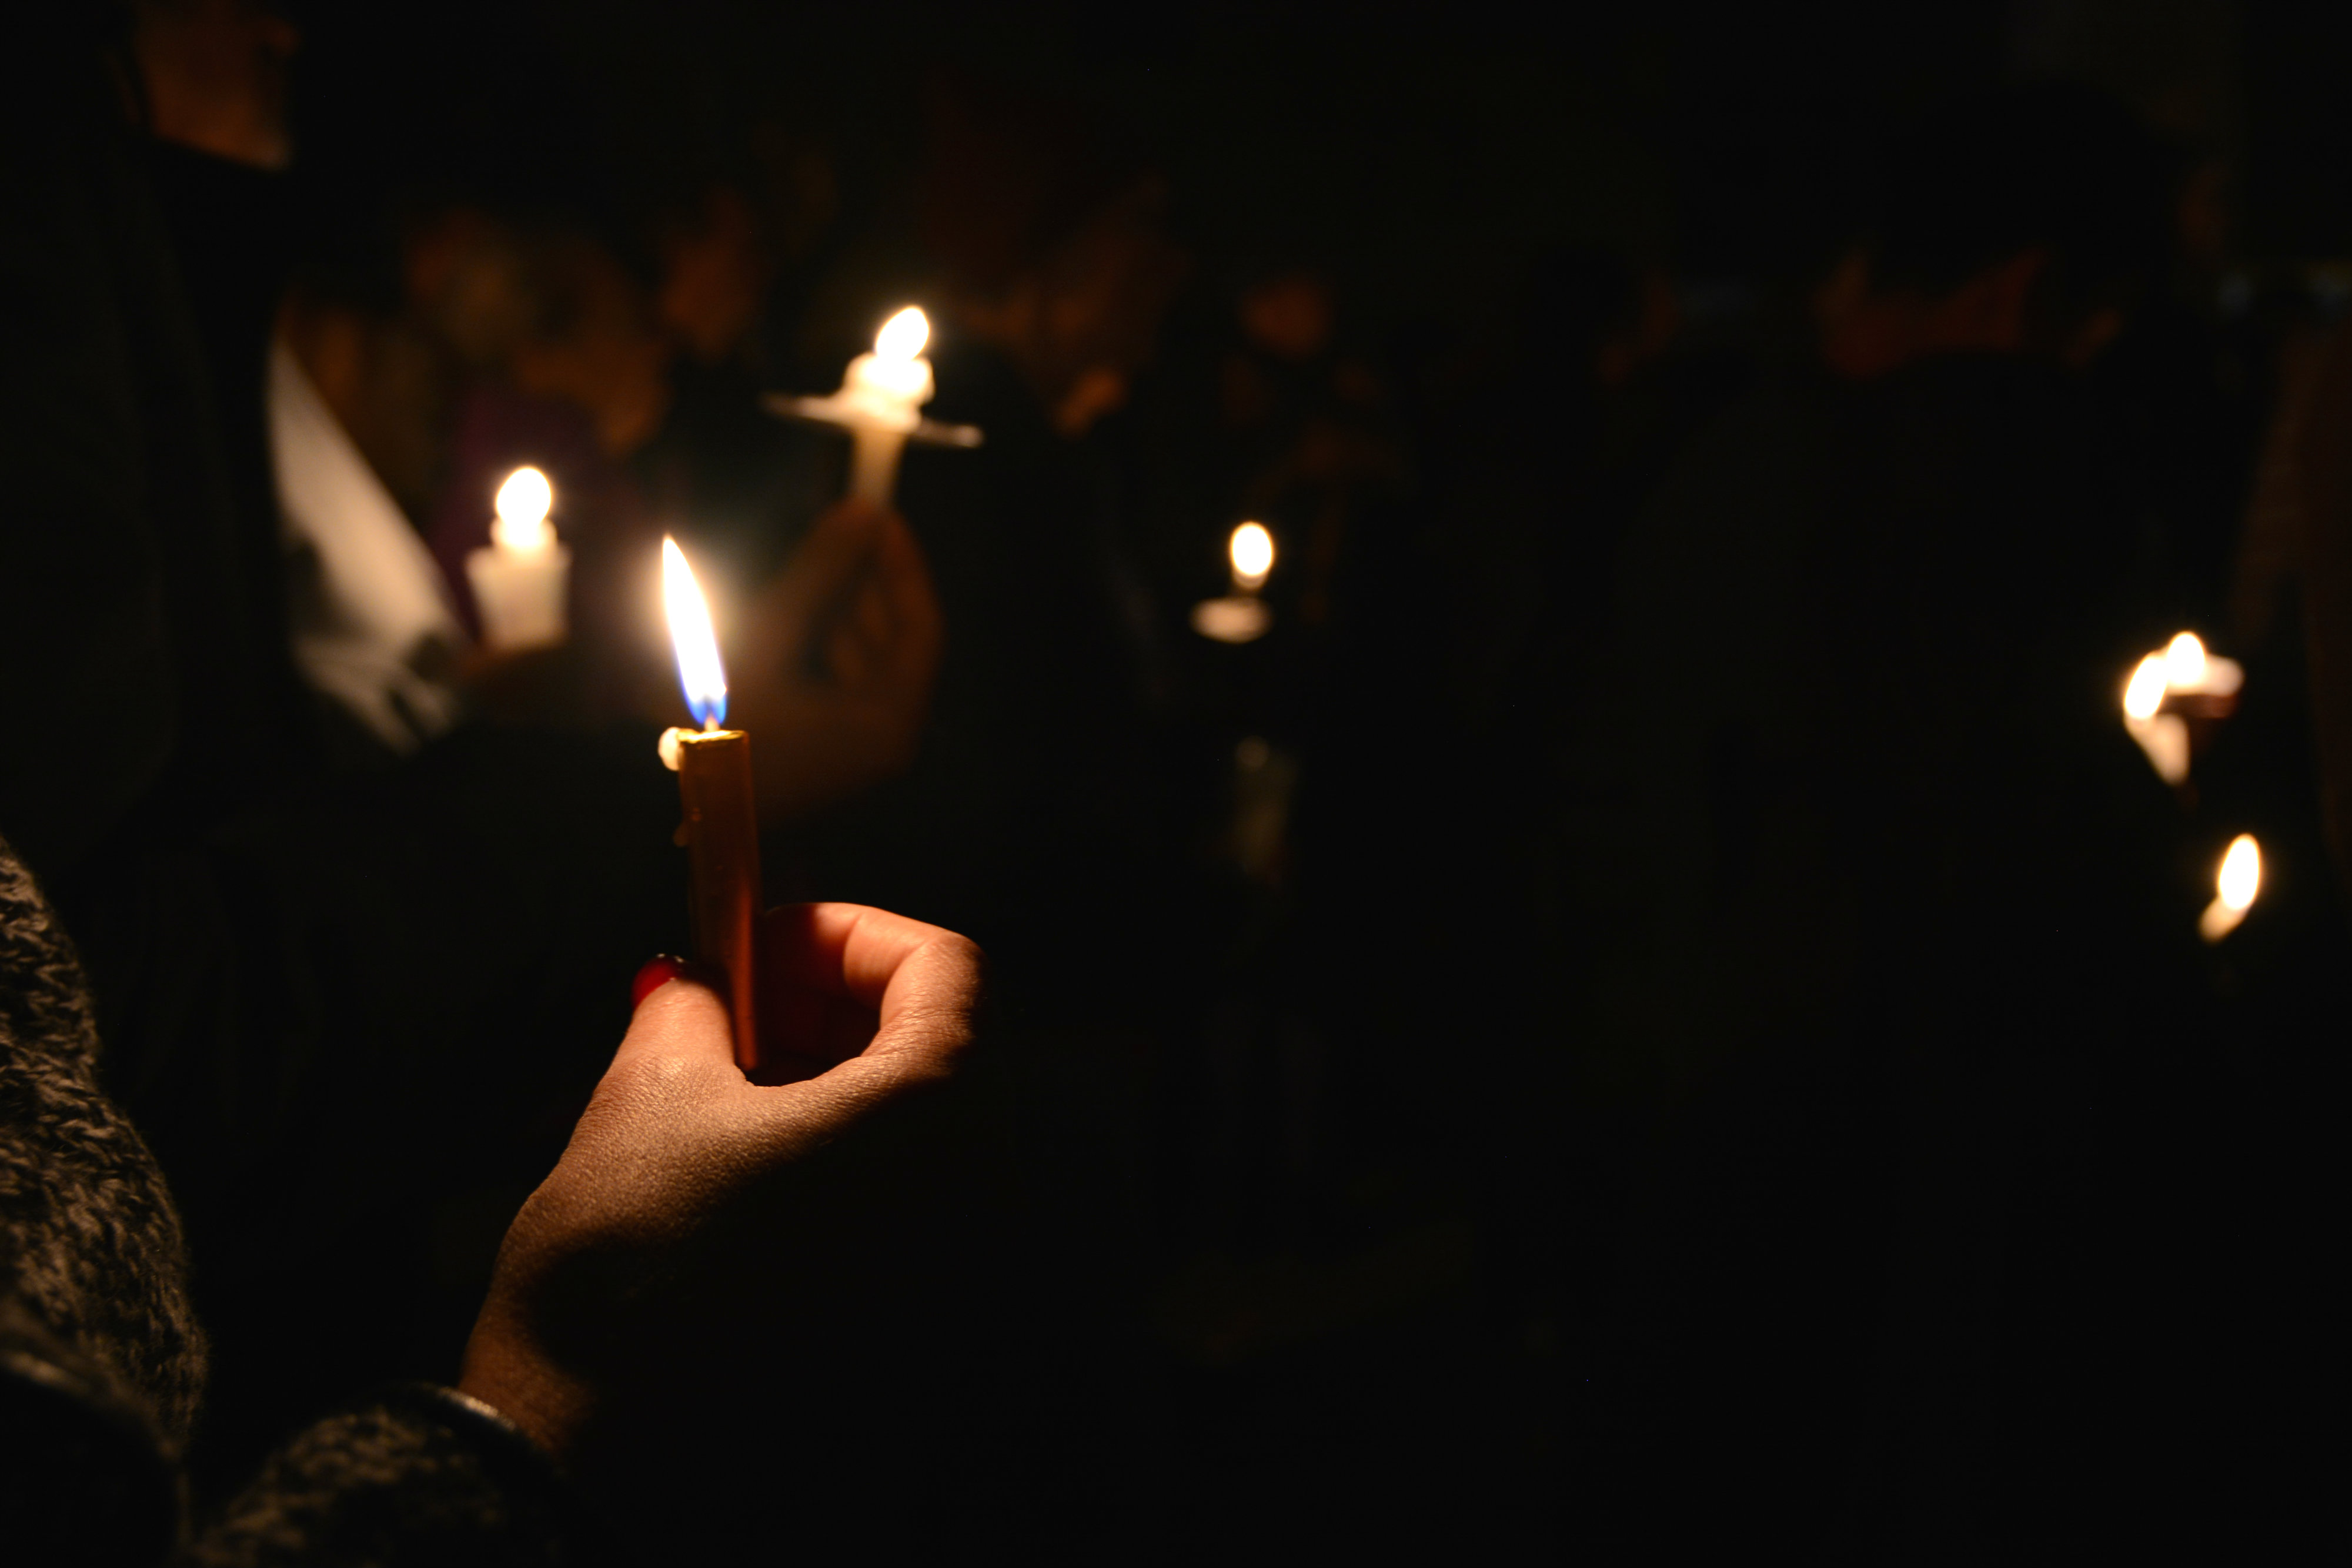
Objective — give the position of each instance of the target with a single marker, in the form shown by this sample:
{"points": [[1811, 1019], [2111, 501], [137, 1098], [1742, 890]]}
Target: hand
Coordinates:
{"points": [[696, 1217], [836, 661]]}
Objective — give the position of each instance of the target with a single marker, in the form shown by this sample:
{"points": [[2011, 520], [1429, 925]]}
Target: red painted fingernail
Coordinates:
{"points": [[658, 972]]}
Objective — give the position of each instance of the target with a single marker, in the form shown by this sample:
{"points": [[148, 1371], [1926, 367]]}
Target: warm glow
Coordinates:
{"points": [[2184, 662], [1238, 619], [523, 503], [2242, 872], [2145, 695], [1251, 550], [903, 336], [699, 669]]}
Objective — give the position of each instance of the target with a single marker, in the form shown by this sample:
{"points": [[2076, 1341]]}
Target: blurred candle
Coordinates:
{"points": [[880, 405], [1242, 616], [2240, 880], [2175, 699], [519, 581], [1251, 550], [881, 399], [721, 831], [2185, 662], [2190, 672], [2163, 736]]}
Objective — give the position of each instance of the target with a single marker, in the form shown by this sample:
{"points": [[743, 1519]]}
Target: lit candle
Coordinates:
{"points": [[2185, 662], [2168, 690], [880, 405], [886, 388], [2163, 736], [2240, 879], [1241, 616], [519, 581], [1251, 550], [721, 831]]}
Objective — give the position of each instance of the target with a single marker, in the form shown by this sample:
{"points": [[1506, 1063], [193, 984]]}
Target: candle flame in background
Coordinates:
{"points": [[523, 503], [699, 670], [2184, 662], [903, 336], [2241, 874], [2183, 678], [2240, 879], [2145, 693], [1251, 552]]}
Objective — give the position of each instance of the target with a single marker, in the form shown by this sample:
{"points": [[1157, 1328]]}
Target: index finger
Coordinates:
{"points": [[913, 976]]}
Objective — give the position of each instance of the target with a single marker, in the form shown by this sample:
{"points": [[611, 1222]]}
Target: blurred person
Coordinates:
{"points": [[279, 948], [730, 248], [1539, 445], [582, 1400], [397, 348], [375, 631], [1879, 949], [1055, 241], [541, 350], [1027, 788], [214, 73], [2043, 221], [1079, 320]]}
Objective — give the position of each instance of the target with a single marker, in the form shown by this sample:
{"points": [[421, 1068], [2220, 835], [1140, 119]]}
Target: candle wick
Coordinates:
{"points": [[709, 722]]}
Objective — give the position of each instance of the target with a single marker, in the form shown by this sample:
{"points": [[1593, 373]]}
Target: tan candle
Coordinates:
{"points": [[721, 830], [723, 846]]}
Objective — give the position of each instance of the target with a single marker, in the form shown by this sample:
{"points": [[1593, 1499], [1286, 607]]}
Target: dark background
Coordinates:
{"points": [[1316, 1241]]}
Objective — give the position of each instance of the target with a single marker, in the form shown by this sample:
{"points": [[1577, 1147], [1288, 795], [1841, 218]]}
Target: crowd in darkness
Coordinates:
{"points": [[1658, 1009]]}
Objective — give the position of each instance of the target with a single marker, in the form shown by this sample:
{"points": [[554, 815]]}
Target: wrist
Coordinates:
{"points": [[523, 1392]]}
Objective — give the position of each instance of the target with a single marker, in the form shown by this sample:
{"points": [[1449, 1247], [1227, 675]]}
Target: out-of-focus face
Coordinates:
{"points": [[715, 273], [1867, 331], [1289, 316], [214, 72]]}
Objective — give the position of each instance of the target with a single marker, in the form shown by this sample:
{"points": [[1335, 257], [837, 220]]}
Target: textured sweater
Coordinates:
{"points": [[102, 1363]]}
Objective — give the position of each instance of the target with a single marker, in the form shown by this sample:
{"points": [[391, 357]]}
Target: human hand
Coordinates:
{"points": [[697, 1217], [836, 660]]}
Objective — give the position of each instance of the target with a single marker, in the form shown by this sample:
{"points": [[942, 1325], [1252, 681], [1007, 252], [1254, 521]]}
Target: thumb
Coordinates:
{"points": [[681, 1021]]}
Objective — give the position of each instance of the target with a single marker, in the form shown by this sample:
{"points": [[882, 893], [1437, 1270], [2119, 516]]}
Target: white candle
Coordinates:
{"points": [[882, 399], [880, 405], [519, 581], [2188, 682], [2185, 664], [1242, 616], [2240, 880], [2163, 736], [1251, 550]]}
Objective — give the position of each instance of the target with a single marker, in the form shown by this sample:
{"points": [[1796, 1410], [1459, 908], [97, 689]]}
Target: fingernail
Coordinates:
{"points": [[658, 972]]}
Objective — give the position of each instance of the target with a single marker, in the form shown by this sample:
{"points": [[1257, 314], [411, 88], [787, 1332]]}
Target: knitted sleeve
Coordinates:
{"points": [[419, 1474], [91, 1256], [102, 1361]]}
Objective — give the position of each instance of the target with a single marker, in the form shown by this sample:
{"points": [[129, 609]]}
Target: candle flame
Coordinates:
{"points": [[2242, 872], [699, 670], [2184, 662], [1252, 552], [2145, 693], [903, 336], [523, 503]]}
